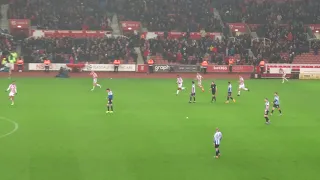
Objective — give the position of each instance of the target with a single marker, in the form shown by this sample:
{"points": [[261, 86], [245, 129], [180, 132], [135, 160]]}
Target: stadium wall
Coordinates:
{"points": [[298, 71], [301, 71]]}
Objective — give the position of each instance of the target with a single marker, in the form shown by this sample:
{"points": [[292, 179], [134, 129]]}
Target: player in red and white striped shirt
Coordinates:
{"points": [[13, 91], [281, 71], [95, 80], [241, 85], [199, 79], [193, 93], [180, 84]]}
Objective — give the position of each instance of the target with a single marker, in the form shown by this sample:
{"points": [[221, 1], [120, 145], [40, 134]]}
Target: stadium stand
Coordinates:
{"points": [[6, 42], [283, 23], [170, 15], [64, 15], [102, 50]]}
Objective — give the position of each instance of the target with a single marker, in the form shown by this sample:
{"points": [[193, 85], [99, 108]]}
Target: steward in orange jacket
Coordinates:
{"points": [[20, 64], [261, 65], [150, 64], [116, 64], [204, 66], [231, 61], [46, 63]]}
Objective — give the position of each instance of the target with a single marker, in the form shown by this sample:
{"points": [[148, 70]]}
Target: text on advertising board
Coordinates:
{"points": [[176, 68], [130, 25], [142, 68], [110, 67], [161, 68], [186, 68], [236, 68], [40, 66], [277, 70], [238, 27], [309, 76], [293, 66], [176, 35], [75, 34], [19, 23]]}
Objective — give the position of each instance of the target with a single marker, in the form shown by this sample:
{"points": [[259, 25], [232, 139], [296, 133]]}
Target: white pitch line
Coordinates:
{"points": [[16, 127]]}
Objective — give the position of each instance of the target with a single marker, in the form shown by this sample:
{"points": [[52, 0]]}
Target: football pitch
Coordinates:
{"points": [[58, 130]]}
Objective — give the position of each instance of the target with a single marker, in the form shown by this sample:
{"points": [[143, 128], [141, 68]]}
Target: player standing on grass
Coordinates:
{"points": [[110, 99], [180, 84], [266, 110], [241, 85], [276, 103], [213, 91], [217, 139], [199, 79], [230, 93], [9, 65], [13, 91], [281, 71], [95, 80], [193, 93]]}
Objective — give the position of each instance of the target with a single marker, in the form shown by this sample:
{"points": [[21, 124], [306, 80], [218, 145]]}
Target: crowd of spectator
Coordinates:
{"points": [[171, 15], [6, 43], [263, 12], [59, 14], [181, 50], [103, 50], [283, 42], [168, 15], [280, 23], [188, 51]]}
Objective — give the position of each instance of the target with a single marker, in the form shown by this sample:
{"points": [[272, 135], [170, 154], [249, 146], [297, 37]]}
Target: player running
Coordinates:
{"points": [[241, 85], [110, 101], [266, 110], [193, 93], [95, 80], [180, 84], [9, 66], [276, 103], [217, 139], [281, 71], [214, 90], [230, 93], [199, 79], [13, 91]]}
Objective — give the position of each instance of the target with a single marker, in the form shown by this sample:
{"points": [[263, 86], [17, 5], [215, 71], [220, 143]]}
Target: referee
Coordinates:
{"points": [[217, 139]]}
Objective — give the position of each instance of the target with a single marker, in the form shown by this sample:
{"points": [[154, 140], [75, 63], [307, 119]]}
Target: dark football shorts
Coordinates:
{"points": [[109, 101], [193, 94], [266, 113], [216, 145], [229, 93], [214, 93], [276, 106]]}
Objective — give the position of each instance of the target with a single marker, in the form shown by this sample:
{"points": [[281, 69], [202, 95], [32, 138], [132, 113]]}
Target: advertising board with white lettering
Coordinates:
{"points": [[310, 70], [110, 67], [161, 68], [302, 68], [186, 68], [277, 70], [175, 68], [235, 68], [40, 66], [309, 76]]}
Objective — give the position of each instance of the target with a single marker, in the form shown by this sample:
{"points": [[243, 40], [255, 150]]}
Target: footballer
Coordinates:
{"points": [[276, 103]]}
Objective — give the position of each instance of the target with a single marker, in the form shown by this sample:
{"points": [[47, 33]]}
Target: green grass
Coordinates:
{"points": [[64, 133]]}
